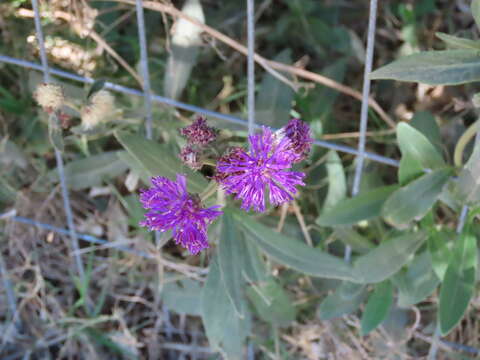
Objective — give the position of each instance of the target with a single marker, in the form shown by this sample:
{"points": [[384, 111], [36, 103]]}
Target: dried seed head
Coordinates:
{"points": [[100, 109], [49, 96]]}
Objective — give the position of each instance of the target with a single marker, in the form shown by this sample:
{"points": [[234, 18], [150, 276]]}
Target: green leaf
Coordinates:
{"points": [[225, 330], [96, 87], [475, 7], [274, 99], [345, 300], [448, 67], [353, 239], [417, 282], [7, 191], [387, 258], [467, 188], [425, 122], [459, 282], [272, 303], [337, 182], [377, 307], [417, 145], [414, 200], [409, 169], [182, 296], [231, 251], [440, 253], [365, 206], [93, 170], [55, 134], [455, 42], [254, 267], [156, 160], [291, 252]]}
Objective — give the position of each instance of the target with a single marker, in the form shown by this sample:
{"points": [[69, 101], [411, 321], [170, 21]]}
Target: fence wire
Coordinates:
{"points": [[149, 97], [58, 155]]}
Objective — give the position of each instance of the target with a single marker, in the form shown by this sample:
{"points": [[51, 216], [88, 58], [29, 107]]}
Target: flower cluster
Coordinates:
{"points": [[265, 167], [264, 170], [171, 207]]}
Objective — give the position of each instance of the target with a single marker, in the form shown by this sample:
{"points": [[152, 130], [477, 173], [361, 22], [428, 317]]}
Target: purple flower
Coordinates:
{"points": [[298, 132], [264, 167], [199, 133], [171, 207]]}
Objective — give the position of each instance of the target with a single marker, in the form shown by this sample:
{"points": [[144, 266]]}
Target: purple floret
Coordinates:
{"points": [[298, 132], [265, 167], [199, 133], [171, 207]]}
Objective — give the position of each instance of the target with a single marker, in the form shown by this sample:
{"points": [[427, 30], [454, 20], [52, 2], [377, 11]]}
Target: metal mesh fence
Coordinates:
{"points": [[193, 349]]}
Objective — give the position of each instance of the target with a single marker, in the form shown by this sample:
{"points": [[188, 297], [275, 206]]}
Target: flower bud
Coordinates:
{"points": [[199, 133]]}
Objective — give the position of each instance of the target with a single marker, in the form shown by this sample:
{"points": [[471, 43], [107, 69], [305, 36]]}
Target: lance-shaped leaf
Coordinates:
{"points": [[417, 153], [448, 67], [231, 251], [387, 258], [378, 306], [455, 42], [346, 299], [459, 282], [291, 252], [225, 329], [414, 200], [365, 206]]}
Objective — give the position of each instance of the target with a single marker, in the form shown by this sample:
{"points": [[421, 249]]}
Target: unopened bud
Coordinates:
{"points": [[49, 96], [100, 109]]}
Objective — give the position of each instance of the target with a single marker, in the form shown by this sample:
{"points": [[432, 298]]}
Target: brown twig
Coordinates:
{"points": [[301, 221], [268, 65]]}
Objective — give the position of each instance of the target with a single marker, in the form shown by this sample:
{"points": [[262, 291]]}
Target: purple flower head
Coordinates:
{"points": [[199, 133], [264, 167], [298, 132], [171, 207], [189, 156]]}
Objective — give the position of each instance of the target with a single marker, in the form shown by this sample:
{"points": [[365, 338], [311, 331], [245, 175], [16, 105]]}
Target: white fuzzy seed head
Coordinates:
{"points": [[49, 96], [100, 109]]}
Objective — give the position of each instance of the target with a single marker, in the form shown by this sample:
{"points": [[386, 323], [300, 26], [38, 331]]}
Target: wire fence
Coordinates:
{"points": [[361, 154]]}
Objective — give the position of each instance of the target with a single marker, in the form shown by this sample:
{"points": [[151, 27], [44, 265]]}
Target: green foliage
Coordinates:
{"points": [[365, 206], [231, 251], [415, 199], [226, 331], [378, 306], [152, 159], [345, 300], [272, 303], [387, 258], [291, 252], [459, 282], [447, 67]]}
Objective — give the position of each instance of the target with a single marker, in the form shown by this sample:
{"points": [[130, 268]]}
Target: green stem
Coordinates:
{"points": [[209, 191], [468, 135]]}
